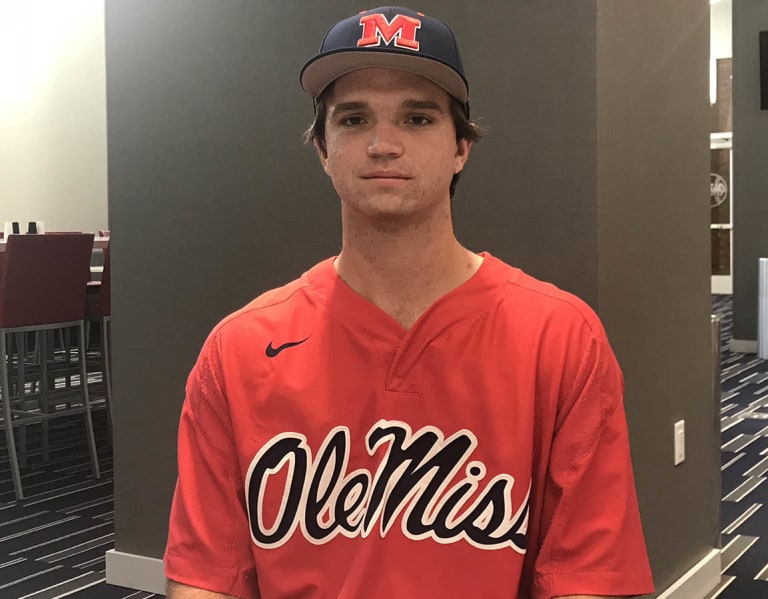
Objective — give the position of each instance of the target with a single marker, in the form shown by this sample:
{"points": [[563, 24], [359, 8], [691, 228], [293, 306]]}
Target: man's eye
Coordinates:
{"points": [[352, 121], [419, 120]]}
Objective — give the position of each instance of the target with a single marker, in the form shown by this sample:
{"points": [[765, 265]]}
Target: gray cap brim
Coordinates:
{"points": [[324, 69]]}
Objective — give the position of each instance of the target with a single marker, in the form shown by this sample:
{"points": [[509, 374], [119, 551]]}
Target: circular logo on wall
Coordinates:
{"points": [[718, 190]]}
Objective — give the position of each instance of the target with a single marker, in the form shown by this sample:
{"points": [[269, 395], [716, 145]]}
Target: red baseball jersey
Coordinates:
{"points": [[327, 452]]}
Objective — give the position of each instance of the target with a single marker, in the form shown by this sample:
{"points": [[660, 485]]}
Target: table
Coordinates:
{"points": [[99, 243]]}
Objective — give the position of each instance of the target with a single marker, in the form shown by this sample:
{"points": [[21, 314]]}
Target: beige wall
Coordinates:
{"points": [[53, 154]]}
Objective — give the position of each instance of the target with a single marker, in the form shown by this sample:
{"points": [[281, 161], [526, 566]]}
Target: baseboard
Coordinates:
{"points": [[135, 572], [743, 346], [697, 582]]}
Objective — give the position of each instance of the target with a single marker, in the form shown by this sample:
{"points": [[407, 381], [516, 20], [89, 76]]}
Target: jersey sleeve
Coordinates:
{"points": [[592, 539], [209, 543]]}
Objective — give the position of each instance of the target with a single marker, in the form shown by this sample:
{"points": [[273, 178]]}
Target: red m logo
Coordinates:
{"points": [[402, 30]]}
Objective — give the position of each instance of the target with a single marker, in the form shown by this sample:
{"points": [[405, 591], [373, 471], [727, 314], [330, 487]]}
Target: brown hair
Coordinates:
{"points": [[465, 128]]}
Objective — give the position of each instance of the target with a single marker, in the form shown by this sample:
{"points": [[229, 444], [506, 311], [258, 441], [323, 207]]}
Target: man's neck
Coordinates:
{"points": [[403, 271]]}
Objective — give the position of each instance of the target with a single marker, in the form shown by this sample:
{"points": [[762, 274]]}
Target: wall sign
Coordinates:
{"points": [[718, 190]]}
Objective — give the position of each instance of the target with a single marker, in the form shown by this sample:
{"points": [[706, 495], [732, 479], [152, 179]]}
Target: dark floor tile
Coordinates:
{"points": [[49, 576], [751, 563], [17, 571], [90, 530], [745, 588], [751, 426], [65, 526], [730, 511], [41, 518], [92, 559], [727, 436], [743, 464], [757, 526]]}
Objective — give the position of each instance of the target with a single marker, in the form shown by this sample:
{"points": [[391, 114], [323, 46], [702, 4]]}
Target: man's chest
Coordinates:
{"points": [[373, 443]]}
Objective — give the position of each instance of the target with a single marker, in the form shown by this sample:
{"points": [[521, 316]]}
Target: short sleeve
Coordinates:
{"points": [[593, 541], [209, 543]]}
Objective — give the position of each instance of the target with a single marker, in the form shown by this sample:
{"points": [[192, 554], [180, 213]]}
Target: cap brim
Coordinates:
{"points": [[321, 71]]}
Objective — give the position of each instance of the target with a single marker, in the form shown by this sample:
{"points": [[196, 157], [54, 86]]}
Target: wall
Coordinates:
{"points": [[529, 193], [53, 155], [579, 181], [213, 199], [721, 29], [750, 177], [654, 248]]}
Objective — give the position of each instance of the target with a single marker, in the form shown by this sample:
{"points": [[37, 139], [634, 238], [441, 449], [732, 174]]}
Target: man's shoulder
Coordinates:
{"points": [[541, 293], [536, 295], [276, 304], [273, 298]]}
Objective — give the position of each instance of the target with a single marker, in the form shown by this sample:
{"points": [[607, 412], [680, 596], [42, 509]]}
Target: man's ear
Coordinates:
{"points": [[322, 153], [463, 147]]}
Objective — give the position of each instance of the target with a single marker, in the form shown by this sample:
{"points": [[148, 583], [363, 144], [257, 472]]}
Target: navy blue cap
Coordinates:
{"points": [[392, 38]]}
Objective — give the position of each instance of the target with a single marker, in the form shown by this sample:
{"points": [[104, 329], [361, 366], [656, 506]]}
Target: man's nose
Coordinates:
{"points": [[386, 140]]}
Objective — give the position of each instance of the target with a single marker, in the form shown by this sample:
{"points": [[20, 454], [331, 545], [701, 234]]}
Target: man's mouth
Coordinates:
{"points": [[385, 175]]}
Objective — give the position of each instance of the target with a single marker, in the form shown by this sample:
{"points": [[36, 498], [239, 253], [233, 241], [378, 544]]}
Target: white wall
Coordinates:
{"points": [[53, 137], [721, 24]]}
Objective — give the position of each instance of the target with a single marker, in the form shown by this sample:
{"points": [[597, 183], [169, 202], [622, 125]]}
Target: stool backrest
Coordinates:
{"points": [[44, 279]]}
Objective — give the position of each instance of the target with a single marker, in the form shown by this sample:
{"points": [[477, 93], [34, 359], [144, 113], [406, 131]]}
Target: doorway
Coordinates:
{"points": [[721, 204]]}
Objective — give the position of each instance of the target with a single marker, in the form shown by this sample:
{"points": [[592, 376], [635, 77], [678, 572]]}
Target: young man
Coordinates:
{"points": [[410, 419]]}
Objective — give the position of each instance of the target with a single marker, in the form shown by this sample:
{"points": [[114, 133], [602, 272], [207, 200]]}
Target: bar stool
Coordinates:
{"points": [[42, 288]]}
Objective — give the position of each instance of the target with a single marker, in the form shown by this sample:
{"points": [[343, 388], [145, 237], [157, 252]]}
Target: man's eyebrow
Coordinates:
{"points": [[424, 105], [348, 106], [356, 105]]}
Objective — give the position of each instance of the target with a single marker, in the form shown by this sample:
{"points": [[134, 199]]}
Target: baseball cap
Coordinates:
{"points": [[390, 37]]}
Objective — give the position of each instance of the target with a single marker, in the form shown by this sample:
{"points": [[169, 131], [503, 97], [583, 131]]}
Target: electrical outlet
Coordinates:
{"points": [[679, 442]]}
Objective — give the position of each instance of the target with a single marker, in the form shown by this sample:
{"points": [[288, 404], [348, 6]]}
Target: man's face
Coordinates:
{"points": [[391, 148]]}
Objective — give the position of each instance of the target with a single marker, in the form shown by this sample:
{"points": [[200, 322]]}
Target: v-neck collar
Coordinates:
{"points": [[348, 305], [405, 346]]}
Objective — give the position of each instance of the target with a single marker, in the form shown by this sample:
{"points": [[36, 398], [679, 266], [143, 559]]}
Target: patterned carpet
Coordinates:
{"points": [[53, 545], [744, 425]]}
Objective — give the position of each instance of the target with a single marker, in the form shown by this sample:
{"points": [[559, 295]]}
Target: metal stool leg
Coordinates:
{"points": [[8, 417], [44, 409], [106, 372], [21, 343], [87, 402]]}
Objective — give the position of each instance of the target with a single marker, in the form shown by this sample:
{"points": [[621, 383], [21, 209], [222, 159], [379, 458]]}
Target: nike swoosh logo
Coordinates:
{"points": [[273, 351]]}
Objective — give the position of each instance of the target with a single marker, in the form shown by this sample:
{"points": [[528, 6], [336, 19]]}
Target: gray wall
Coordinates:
{"points": [[750, 175], [528, 195], [590, 177], [213, 199], [654, 285]]}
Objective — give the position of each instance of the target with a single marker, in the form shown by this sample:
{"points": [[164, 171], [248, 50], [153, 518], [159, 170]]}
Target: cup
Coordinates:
{"points": [[32, 227]]}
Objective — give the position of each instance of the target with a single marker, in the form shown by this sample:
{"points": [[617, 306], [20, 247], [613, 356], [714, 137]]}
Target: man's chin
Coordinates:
{"points": [[394, 219], [388, 212]]}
